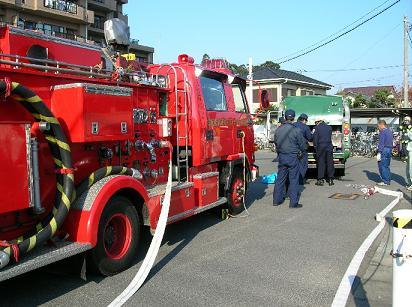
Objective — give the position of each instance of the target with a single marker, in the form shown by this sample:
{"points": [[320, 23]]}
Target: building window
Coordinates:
{"points": [[98, 22], [273, 94], [286, 92], [213, 94], [61, 5], [306, 93], [20, 24], [29, 25], [49, 29]]}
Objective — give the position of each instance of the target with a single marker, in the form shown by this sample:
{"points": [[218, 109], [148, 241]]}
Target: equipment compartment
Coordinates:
{"points": [[206, 188], [15, 170], [91, 112]]}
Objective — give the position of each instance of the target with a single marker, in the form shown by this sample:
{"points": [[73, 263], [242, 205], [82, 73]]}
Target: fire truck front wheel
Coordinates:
{"points": [[117, 238], [236, 192]]}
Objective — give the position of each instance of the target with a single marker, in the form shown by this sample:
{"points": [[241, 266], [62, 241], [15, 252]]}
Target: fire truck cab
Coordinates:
{"points": [[89, 138]]}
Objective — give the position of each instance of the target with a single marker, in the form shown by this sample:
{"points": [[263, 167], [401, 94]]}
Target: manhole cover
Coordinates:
{"points": [[352, 196]]}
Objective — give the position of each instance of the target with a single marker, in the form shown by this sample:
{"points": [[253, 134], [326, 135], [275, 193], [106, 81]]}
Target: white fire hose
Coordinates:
{"points": [[345, 287], [150, 258], [402, 258]]}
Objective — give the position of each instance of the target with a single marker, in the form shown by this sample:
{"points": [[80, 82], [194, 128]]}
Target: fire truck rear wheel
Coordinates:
{"points": [[117, 238], [235, 194]]}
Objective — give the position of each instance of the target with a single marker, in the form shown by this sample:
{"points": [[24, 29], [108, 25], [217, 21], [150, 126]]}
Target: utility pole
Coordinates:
{"points": [[405, 63]]}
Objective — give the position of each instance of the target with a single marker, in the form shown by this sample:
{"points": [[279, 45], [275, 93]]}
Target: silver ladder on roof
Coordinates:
{"points": [[182, 156]]}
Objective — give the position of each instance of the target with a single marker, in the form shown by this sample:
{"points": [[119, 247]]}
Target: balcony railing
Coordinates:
{"points": [[62, 5]]}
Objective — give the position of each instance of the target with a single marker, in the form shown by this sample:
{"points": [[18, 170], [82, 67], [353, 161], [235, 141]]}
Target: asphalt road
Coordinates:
{"points": [[277, 256]]}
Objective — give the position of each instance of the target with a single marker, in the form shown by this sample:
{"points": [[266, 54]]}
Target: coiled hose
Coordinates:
{"points": [[102, 173], [60, 150]]}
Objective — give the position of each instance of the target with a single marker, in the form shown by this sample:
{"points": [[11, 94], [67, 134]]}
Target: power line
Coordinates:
{"points": [[355, 69], [339, 36], [367, 50], [362, 81], [326, 38], [410, 39]]}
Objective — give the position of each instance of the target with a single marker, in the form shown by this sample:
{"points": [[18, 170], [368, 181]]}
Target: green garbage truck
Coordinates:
{"points": [[333, 110]]}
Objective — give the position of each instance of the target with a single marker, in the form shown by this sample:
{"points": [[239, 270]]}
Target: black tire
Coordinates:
{"points": [[113, 252], [235, 207]]}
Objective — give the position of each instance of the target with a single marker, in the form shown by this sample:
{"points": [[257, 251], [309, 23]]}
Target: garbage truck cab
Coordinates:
{"points": [[334, 110]]}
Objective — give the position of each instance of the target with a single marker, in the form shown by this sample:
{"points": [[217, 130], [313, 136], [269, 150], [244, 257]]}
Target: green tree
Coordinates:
{"points": [[261, 114], [240, 70], [267, 64], [243, 69], [383, 98], [359, 102], [205, 57]]}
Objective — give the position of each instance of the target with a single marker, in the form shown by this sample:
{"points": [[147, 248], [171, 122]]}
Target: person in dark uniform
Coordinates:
{"points": [[384, 152], [307, 134], [290, 145], [322, 140]]}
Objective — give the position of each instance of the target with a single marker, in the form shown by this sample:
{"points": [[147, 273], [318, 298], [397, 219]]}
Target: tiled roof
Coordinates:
{"points": [[267, 73], [368, 91]]}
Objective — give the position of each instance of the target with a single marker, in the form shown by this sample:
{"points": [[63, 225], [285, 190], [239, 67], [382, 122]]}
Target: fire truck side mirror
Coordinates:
{"points": [[264, 99], [116, 32]]}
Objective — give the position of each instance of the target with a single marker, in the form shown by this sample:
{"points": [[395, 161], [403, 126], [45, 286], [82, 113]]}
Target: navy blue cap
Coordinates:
{"points": [[289, 114], [303, 116]]}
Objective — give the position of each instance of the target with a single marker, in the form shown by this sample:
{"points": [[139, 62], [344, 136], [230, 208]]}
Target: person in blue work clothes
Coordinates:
{"points": [[322, 141], [290, 145], [307, 134], [384, 152]]}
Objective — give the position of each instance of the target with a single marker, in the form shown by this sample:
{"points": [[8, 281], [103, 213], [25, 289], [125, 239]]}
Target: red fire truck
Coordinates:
{"points": [[86, 139]]}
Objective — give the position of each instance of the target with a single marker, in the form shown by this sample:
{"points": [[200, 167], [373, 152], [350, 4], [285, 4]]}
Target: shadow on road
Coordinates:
{"points": [[360, 297], [376, 177], [50, 282], [256, 191]]}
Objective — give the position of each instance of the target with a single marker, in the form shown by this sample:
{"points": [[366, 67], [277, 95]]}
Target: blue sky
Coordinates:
{"points": [[269, 30]]}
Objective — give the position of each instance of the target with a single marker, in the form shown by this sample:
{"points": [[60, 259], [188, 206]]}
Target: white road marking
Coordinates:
{"points": [[345, 287]]}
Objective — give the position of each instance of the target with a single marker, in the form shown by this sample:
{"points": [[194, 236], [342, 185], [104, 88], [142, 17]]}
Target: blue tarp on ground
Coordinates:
{"points": [[270, 179]]}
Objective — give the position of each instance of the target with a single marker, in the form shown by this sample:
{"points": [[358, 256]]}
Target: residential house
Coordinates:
{"points": [[368, 91], [280, 83]]}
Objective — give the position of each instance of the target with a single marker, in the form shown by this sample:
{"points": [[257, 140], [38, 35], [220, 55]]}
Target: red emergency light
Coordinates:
{"points": [[185, 59]]}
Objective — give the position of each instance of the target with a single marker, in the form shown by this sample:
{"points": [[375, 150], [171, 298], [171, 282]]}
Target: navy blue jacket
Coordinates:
{"points": [[385, 139], [307, 134], [322, 137], [289, 140]]}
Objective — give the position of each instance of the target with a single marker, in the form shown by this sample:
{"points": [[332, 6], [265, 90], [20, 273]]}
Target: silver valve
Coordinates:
{"points": [[140, 145], [4, 259]]}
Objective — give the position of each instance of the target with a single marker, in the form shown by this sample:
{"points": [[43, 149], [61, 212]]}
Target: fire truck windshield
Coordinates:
{"points": [[213, 94]]}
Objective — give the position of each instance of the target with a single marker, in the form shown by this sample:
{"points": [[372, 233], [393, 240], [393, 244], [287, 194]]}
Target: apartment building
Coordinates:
{"points": [[81, 20]]}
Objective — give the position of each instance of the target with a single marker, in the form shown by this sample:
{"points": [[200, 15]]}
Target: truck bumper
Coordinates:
{"points": [[336, 165]]}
